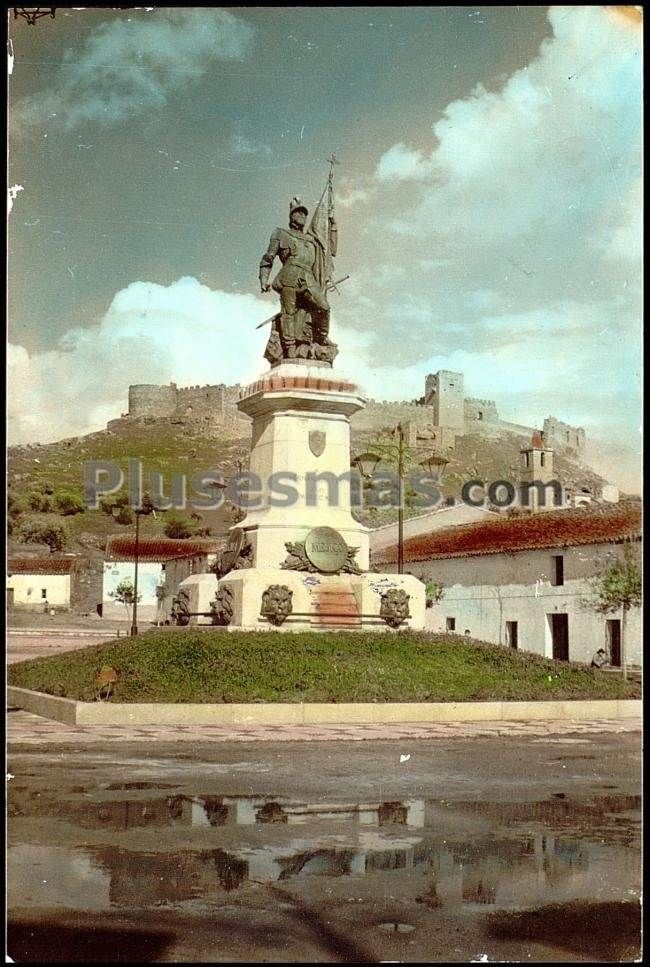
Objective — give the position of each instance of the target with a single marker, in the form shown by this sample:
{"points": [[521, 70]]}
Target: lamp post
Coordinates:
{"points": [[366, 464], [146, 508], [399, 432]]}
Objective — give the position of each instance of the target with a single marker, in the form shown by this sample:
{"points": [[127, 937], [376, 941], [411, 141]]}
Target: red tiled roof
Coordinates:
{"points": [[553, 528], [40, 565], [158, 549]]}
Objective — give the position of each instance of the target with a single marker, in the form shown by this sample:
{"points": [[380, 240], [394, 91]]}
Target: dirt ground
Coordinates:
{"points": [[511, 847]]}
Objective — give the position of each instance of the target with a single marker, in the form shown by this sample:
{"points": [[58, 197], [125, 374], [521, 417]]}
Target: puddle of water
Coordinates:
{"points": [[143, 852]]}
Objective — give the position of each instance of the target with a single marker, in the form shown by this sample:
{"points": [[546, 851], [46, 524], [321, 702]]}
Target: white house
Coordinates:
{"points": [[523, 581], [156, 588], [40, 583]]}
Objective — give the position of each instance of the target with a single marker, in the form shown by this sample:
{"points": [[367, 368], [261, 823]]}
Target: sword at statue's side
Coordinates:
{"points": [[328, 288]]}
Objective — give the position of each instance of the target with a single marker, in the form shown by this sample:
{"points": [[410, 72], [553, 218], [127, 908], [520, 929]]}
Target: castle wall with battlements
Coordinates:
{"points": [[480, 411], [444, 410], [148, 399], [202, 403]]}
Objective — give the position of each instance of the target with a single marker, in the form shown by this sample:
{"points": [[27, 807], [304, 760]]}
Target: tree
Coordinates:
{"points": [[124, 515], [124, 593], [179, 527], [434, 593], [68, 502], [618, 588], [43, 529]]}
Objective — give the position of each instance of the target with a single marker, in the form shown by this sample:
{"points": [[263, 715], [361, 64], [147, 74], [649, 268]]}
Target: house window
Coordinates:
{"points": [[43, 592], [558, 570], [480, 414], [451, 624], [527, 456], [512, 634], [542, 458]]}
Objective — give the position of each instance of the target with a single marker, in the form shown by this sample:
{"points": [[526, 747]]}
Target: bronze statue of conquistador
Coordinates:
{"points": [[302, 327]]}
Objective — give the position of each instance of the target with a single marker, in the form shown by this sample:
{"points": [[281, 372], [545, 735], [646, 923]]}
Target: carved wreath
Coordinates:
{"points": [[180, 609], [277, 603], [244, 560], [394, 608], [222, 607], [297, 560]]}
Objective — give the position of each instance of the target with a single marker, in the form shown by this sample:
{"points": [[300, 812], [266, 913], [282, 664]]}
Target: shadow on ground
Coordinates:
{"points": [[604, 931]]}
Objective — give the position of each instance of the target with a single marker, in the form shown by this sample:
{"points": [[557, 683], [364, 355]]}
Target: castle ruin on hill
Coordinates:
{"points": [[442, 413]]}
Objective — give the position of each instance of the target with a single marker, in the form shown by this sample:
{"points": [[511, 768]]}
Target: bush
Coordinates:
{"points": [[179, 527], [43, 529], [40, 502], [16, 507], [69, 502], [111, 503], [124, 515]]}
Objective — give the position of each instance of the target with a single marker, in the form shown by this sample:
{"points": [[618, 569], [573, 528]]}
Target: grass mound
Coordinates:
{"points": [[185, 665]]}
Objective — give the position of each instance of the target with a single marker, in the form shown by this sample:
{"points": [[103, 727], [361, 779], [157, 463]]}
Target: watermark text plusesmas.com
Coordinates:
{"points": [[210, 489]]}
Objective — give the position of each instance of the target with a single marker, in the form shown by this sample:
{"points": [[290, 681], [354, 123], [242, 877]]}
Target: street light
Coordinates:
{"points": [[146, 507], [435, 464], [366, 464], [399, 433]]}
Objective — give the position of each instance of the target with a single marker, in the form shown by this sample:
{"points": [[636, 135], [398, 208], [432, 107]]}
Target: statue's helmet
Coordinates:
{"points": [[296, 205]]}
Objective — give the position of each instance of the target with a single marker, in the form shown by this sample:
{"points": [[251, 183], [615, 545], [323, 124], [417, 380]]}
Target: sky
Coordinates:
{"points": [[488, 197]]}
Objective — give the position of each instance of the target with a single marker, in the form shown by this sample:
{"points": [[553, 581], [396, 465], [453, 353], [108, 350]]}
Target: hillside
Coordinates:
{"points": [[172, 448]]}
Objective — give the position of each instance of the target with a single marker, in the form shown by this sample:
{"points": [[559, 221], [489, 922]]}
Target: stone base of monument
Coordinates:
{"points": [[201, 589], [277, 599]]}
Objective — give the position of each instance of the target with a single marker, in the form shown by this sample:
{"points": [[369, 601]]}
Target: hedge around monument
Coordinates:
{"points": [[212, 665]]}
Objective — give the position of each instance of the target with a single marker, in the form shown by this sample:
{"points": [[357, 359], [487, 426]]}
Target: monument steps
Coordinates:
{"points": [[336, 607]]}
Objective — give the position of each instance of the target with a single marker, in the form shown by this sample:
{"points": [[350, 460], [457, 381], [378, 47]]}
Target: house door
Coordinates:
{"points": [[614, 642], [10, 597], [560, 635], [512, 637]]}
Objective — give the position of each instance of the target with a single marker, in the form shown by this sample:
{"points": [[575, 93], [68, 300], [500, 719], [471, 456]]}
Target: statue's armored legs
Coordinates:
{"points": [[320, 316], [288, 320]]}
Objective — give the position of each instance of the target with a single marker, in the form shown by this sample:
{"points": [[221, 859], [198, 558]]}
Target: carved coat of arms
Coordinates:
{"points": [[317, 442]]}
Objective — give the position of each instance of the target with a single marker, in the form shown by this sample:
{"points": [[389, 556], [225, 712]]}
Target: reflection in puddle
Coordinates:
{"points": [[516, 856]]}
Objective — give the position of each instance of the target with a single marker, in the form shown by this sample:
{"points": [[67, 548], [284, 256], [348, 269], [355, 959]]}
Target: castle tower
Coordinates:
{"points": [[536, 469], [445, 391]]}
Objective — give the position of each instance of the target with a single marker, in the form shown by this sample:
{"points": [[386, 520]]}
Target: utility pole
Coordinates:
{"points": [[134, 622], [146, 508], [400, 492]]}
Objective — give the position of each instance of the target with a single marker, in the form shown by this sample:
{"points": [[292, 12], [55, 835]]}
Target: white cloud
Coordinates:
{"points": [[185, 333], [400, 163], [129, 66], [519, 228]]}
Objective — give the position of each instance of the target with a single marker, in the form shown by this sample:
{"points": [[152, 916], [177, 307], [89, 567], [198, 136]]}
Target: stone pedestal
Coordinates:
{"points": [[301, 442], [201, 589], [322, 602]]}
